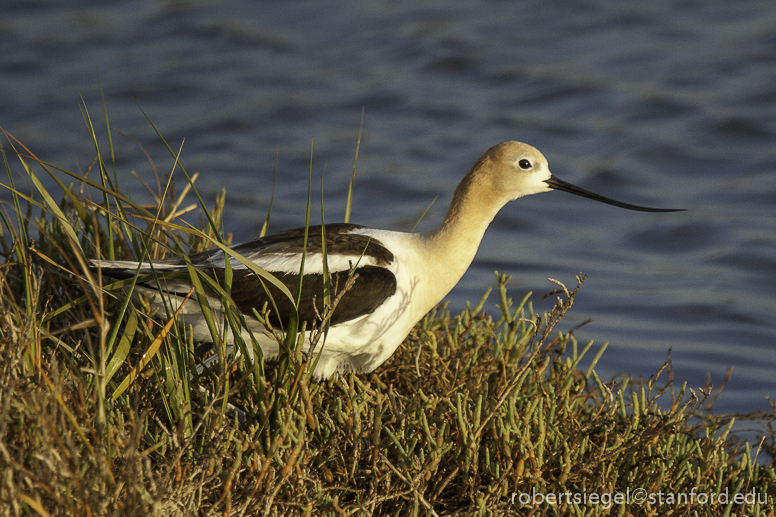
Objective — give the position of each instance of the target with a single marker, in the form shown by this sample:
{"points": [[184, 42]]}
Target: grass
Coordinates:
{"points": [[102, 413]]}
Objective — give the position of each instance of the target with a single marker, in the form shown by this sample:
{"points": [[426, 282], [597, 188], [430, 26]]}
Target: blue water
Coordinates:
{"points": [[660, 103]]}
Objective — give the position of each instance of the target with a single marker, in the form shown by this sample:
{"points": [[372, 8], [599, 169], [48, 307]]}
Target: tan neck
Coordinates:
{"points": [[453, 244]]}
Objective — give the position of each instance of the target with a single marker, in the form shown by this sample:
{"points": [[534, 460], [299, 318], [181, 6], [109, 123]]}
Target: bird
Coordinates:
{"points": [[399, 277]]}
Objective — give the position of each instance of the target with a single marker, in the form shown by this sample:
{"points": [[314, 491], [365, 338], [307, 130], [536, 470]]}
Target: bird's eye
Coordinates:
{"points": [[524, 164]]}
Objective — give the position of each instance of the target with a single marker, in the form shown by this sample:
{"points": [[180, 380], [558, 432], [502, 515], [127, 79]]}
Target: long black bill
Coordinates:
{"points": [[559, 184]]}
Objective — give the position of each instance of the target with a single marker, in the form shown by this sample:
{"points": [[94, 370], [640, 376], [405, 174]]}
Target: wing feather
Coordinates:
{"points": [[370, 289], [280, 254]]}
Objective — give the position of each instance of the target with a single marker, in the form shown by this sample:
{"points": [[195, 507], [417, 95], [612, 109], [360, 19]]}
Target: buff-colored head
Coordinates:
{"points": [[515, 169]]}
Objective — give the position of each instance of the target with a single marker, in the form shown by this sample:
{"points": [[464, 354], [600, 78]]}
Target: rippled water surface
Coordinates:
{"points": [[661, 103]]}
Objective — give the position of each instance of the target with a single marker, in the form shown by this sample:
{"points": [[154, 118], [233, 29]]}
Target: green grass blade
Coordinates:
{"points": [[265, 226], [123, 348], [151, 351], [21, 223], [349, 203], [108, 132], [21, 233], [52, 206], [212, 224], [101, 167], [423, 214], [327, 301]]}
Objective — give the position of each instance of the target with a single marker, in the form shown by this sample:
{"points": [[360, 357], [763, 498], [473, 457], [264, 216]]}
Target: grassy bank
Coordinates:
{"points": [[102, 413]]}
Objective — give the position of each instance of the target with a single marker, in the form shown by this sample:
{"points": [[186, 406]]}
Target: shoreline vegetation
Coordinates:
{"points": [[102, 411]]}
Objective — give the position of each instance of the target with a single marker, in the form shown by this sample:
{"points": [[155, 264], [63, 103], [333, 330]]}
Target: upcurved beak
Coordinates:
{"points": [[559, 184]]}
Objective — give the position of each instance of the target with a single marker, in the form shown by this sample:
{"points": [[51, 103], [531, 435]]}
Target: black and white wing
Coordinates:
{"points": [[281, 255]]}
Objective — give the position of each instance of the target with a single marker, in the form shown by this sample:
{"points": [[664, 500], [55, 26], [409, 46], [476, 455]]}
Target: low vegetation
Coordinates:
{"points": [[102, 411]]}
